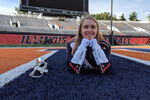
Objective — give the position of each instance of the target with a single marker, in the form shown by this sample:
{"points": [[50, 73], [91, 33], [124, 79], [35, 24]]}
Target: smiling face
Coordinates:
{"points": [[89, 29]]}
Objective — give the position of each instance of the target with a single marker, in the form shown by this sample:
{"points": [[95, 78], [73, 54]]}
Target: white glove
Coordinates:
{"points": [[84, 43], [80, 53], [98, 53]]}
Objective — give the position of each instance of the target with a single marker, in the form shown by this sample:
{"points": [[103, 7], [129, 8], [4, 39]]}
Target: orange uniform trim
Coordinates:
{"points": [[106, 67], [73, 67]]}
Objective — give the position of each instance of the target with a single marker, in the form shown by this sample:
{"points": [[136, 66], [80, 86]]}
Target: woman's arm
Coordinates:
{"points": [[68, 53], [101, 52], [75, 61], [106, 48], [72, 67]]}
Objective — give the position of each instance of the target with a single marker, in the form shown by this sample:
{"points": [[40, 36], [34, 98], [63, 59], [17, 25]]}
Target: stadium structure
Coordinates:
{"points": [[29, 29]]}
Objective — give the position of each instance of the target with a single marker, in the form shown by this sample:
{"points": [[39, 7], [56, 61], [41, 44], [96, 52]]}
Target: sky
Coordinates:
{"points": [[98, 6]]}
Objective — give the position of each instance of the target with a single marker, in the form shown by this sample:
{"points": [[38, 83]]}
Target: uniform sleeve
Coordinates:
{"points": [[106, 67], [106, 48], [74, 68], [68, 53]]}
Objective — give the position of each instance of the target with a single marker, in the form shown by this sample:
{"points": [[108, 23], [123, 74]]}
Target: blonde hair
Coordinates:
{"points": [[79, 37]]}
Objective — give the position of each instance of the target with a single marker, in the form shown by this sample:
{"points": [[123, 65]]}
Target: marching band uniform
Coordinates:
{"points": [[90, 55]]}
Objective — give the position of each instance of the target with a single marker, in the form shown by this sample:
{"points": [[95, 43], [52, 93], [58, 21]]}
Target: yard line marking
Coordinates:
{"points": [[14, 73], [132, 58]]}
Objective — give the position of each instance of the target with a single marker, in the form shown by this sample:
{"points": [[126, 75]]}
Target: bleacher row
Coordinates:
{"points": [[40, 25]]}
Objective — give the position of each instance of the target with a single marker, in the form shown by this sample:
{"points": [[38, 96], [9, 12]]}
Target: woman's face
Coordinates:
{"points": [[89, 29]]}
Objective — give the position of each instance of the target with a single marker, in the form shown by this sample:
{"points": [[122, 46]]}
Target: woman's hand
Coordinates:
{"points": [[85, 42], [93, 43]]}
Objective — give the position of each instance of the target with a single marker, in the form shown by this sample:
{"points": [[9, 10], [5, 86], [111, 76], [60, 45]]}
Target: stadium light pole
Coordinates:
{"points": [[111, 25]]}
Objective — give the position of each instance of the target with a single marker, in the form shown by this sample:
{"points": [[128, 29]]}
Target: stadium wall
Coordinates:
{"points": [[131, 40], [32, 39], [23, 39]]}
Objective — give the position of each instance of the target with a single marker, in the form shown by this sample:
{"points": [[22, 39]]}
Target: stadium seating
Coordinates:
{"points": [[122, 26], [143, 25], [35, 24], [4, 20]]}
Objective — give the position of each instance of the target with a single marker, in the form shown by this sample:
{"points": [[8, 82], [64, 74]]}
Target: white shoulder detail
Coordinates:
{"points": [[72, 45]]}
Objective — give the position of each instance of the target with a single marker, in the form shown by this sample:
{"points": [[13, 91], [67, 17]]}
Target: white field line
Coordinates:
{"points": [[133, 50], [132, 58], [14, 73]]}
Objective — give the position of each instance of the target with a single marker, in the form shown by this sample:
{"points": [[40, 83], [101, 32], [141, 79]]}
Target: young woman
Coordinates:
{"points": [[90, 50]]}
